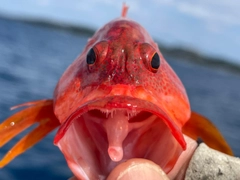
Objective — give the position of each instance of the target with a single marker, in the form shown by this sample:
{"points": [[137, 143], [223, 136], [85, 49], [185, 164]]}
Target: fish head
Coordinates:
{"points": [[118, 100]]}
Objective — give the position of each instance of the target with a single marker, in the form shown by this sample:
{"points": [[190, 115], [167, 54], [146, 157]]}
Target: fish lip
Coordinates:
{"points": [[126, 103]]}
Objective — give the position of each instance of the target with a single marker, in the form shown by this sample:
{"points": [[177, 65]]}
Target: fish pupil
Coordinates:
{"points": [[91, 57], [155, 63]]}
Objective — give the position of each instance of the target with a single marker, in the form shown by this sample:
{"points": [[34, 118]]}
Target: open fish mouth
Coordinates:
{"points": [[105, 132]]}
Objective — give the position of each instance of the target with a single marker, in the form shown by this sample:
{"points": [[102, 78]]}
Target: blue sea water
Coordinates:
{"points": [[32, 59]]}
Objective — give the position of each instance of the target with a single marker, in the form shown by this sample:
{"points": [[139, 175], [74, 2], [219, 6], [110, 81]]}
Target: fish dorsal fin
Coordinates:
{"points": [[124, 10], [199, 126]]}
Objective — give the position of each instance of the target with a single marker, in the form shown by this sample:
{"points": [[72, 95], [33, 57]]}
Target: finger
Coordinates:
{"points": [[140, 169]]}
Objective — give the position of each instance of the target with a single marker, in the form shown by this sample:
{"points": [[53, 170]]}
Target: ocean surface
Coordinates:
{"points": [[32, 59]]}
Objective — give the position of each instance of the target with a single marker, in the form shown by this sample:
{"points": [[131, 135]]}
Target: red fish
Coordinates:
{"points": [[118, 100]]}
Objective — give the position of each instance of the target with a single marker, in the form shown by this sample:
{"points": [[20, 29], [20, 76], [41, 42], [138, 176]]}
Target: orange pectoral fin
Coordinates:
{"points": [[38, 111], [200, 127]]}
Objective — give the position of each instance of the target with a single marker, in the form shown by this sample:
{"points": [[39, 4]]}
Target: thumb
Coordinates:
{"points": [[140, 169]]}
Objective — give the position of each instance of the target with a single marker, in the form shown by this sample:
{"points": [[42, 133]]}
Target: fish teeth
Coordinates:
{"points": [[111, 113]]}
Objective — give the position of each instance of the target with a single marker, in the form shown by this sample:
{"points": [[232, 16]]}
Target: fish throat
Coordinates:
{"points": [[98, 138]]}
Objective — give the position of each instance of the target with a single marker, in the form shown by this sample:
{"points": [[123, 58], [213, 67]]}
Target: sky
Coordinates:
{"points": [[211, 27]]}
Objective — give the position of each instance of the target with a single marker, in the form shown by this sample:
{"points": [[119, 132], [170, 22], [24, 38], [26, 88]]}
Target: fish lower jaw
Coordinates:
{"points": [[98, 140]]}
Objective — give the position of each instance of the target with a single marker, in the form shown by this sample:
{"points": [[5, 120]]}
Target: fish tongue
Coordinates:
{"points": [[117, 128]]}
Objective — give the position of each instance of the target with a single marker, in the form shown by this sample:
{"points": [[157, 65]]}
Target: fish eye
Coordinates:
{"points": [[155, 61], [91, 57]]}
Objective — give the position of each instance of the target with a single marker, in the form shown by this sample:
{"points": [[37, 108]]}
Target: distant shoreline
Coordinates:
{"points": [[191, 56], [179, 53]]}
